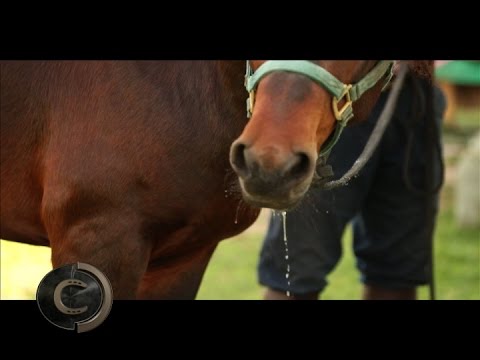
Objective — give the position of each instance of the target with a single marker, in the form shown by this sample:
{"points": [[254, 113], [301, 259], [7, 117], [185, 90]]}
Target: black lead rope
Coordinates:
{"points": [[423, 103], [324, 170]]}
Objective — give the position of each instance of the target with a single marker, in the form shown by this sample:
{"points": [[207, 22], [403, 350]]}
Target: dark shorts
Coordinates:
{"points": [[390, 234]]}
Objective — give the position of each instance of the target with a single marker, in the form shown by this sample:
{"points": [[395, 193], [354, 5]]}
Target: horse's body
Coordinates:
{"points": [[109, 163], [125, 165]]}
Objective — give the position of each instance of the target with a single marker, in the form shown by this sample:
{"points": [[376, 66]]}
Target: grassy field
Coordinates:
{"points": [[457, 256], [232, 271]]}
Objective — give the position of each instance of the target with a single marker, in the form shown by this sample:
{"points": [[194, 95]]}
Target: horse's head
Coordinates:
{"points": [[298, 109]]}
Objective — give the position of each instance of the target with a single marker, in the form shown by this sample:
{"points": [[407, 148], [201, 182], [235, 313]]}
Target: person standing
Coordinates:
{"points": [[390, 232]]}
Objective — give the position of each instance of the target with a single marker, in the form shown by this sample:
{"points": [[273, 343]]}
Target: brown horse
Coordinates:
{"points": [[125, 165]]}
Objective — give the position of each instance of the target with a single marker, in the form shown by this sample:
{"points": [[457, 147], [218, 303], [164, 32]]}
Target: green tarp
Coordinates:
{"points": [[460, 72]]}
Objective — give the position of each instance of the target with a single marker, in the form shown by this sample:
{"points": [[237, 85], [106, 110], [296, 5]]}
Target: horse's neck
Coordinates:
{"points": [[232, 77], [209, 92], [215, 87], [200, 97], [221, 82], [233, 96]]}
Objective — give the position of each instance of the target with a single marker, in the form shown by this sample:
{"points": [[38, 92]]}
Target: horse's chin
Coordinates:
{"points": [[270, 204], [280, 201]]}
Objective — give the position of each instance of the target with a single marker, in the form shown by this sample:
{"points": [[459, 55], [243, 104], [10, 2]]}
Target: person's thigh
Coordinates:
{"points": [[390, 234]]}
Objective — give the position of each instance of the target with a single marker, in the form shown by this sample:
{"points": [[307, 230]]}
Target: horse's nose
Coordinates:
{"points": [[271, 164]]}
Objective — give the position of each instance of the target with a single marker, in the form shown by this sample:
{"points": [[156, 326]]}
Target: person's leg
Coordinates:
{"points": [[314, 229], [390, 236], [309, 259]]}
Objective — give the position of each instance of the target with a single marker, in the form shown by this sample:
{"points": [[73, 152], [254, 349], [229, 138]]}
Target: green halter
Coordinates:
{"points": [[322, 77]]}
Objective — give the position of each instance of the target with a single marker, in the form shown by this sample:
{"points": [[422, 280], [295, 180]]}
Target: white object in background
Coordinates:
{"points": [[467, 188]]}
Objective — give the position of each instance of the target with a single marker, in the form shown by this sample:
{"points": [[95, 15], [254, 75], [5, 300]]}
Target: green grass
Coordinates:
{"points": [[232, 271], [22, 267], [468, 118]]}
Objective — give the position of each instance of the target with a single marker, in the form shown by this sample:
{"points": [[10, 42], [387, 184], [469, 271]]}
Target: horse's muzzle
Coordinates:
{"points": [[270, 177]]}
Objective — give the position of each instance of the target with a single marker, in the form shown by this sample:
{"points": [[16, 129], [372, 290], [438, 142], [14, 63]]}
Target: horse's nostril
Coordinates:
{"points": [[272, 167], [237, 159], [299, 167]]}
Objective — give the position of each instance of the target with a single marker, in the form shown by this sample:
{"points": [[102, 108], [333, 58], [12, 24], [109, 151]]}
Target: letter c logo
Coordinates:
{"points": [[76, 296], [57, 297]]}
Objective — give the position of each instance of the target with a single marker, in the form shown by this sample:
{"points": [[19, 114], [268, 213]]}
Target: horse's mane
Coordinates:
{"points": [[423, 68]]}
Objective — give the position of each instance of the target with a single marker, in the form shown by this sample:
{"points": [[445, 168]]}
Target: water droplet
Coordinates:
{"points": [[287, 275], [236, 213]]}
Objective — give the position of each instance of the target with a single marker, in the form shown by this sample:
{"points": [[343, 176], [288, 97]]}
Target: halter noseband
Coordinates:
{"points": [[339, 90]]}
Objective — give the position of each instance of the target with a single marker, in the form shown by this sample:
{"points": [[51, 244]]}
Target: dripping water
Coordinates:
{"points": [[287, 275], [236, 213]]}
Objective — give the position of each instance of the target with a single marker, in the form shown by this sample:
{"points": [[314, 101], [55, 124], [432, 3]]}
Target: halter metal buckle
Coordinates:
{"points": [[251, 100], [345, 94]]}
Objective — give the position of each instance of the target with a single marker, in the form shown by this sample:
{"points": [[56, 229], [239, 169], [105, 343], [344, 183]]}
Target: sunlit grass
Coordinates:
{"points": [[22, 268]]}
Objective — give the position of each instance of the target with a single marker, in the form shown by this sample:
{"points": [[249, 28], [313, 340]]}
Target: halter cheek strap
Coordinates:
{"points": [[339, 90]]}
